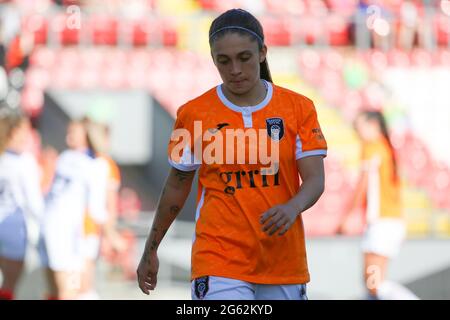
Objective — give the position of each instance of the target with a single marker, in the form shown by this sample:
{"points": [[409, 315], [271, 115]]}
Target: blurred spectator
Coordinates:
{"points": [[409, 22], [359, 32], [10, 21], [129, 204]]}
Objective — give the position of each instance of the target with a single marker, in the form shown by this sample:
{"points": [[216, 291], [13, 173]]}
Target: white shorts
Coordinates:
{"points": [[13, 237], [384, 237], [64, 248], [219, 288], [91, 247]]}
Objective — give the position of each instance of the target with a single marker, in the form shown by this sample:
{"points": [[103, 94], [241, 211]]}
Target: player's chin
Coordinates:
{"points": [[238, 87]]}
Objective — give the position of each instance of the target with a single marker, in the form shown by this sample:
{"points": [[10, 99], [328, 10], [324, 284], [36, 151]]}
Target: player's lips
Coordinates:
{"points": [[237, 82]]}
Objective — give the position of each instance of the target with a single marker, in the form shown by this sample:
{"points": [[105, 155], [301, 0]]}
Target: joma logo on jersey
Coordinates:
{"points": [[230, 146]]}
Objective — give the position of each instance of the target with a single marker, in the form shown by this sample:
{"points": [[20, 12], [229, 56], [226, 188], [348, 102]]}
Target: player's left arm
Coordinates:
{"points": [[282, 217]]}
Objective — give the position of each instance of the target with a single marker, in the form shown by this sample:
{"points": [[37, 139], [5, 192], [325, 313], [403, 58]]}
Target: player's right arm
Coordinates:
{"points": [[175, 192], [360, 190]]}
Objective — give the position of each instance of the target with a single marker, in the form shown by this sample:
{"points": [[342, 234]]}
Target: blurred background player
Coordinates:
{"points": [[20, 195], [79, 187], [378, 189], [95, 233]]}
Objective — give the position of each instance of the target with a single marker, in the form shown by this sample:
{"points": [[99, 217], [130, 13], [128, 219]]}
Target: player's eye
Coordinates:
{"points": [[244, 59], [223, 61]]}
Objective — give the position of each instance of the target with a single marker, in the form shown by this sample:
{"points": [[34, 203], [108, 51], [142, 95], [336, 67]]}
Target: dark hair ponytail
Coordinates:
{"points": [[244, 23], [379, 118]]}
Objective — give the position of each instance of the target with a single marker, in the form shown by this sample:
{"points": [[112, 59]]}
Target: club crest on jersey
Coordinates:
{"points": [[275, 128], [201, 287]]}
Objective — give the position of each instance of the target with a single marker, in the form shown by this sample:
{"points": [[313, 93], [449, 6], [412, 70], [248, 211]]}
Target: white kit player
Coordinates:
{"points": [[79, 187], [20, 196]]}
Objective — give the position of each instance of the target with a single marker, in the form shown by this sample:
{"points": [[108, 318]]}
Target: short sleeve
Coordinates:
{"points": [[310, 140], [114, 175], [181, 146]]}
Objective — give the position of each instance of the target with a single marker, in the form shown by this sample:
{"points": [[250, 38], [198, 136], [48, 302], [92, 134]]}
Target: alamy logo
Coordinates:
{"points": [[229, 146], [219, 126]]}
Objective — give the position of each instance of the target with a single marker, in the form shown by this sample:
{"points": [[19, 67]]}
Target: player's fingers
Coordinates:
{"points": [[273, 220], [266, 215], [278, 225], [143, 286], [285, 229], [153, 281]]}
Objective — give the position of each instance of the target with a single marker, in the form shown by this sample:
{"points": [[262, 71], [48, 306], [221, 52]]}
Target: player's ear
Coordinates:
{"points": [[212, 57], [262, 54]]}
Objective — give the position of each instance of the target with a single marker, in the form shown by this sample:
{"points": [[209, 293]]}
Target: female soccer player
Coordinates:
{"points": [[249, 241], [95, 233], [379, 188], [20, 195], [79, 187]]}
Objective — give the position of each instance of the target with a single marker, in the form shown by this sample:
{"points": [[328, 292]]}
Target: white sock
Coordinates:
{"points": [[389, 290]]}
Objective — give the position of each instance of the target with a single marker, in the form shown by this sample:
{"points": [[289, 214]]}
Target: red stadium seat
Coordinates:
{"points": [[38, 26], [32, 100], [67, 33], [311, 29], [344, 7], [169, 35], [284, 8], [104, 30], [276, 32], [138, 32], [338, 30], [208, 4], [442, 29]]}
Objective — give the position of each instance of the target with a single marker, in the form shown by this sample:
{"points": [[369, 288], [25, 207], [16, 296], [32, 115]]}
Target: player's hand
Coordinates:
{"points": [[147, 271], [279, 218], [118, 243]]}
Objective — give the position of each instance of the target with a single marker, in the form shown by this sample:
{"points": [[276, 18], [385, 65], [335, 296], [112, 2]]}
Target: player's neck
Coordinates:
{"points": [[251, 98], [14, 147]]}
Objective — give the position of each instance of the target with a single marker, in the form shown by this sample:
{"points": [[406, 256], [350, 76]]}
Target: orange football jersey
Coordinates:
{"points": [[114, 180], [233, 194], [383, 196]]}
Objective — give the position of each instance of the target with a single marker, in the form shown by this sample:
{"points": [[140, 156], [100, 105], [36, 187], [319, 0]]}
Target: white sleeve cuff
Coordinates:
{"points": [[183, 166], [299, 154]]}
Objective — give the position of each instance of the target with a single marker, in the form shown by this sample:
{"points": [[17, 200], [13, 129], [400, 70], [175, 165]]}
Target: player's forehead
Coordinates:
{"points": [[233, 44]]}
